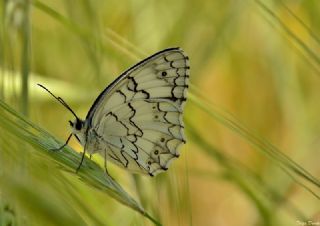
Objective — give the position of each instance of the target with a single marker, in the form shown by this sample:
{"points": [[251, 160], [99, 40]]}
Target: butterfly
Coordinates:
{"points": [[136, 121]]}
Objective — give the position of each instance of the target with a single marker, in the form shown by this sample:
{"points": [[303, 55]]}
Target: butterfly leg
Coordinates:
{"points": [[82, 158], [105, 163], [58, 149]]}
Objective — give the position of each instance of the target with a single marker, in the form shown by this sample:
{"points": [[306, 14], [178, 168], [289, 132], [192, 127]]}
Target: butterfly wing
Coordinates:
{"points": [[139, 115]]}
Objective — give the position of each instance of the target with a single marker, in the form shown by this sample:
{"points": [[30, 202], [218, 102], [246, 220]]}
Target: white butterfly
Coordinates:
{"points": [[136, 122]]}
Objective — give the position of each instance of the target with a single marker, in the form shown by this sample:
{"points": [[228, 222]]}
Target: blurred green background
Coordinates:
{"points": [[253, 106]]}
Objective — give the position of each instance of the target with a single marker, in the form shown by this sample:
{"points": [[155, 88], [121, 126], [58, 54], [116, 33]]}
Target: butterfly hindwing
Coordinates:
{"points": [[139, 116]]}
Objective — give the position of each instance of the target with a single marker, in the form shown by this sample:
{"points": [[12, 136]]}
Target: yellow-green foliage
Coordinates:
{"points": [[252, 117]]}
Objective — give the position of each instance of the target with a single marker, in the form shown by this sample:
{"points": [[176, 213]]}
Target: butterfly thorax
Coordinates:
{"points": [[79, 128]]}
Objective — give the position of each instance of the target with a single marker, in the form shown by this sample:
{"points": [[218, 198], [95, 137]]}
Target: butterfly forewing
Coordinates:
{"points": [[138, 117]]}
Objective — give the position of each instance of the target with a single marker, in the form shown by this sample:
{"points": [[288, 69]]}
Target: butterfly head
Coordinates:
{"points": [[79, 127], [76, 125]]}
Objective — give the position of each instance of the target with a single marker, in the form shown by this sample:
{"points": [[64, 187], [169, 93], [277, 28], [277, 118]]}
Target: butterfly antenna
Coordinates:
{"points": [[59, 99]]}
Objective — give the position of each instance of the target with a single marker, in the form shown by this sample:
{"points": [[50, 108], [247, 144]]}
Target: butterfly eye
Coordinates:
{"points": [[78, 125]]}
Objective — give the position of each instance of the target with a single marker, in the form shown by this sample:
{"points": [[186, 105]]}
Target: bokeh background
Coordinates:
{"points": [[252, 118]]}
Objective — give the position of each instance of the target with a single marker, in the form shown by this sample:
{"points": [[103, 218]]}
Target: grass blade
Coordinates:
{"points": [[67, 160]]}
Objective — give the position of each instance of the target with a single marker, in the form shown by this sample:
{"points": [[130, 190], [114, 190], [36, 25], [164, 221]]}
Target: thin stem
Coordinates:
{"points": [[25, 58]]}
